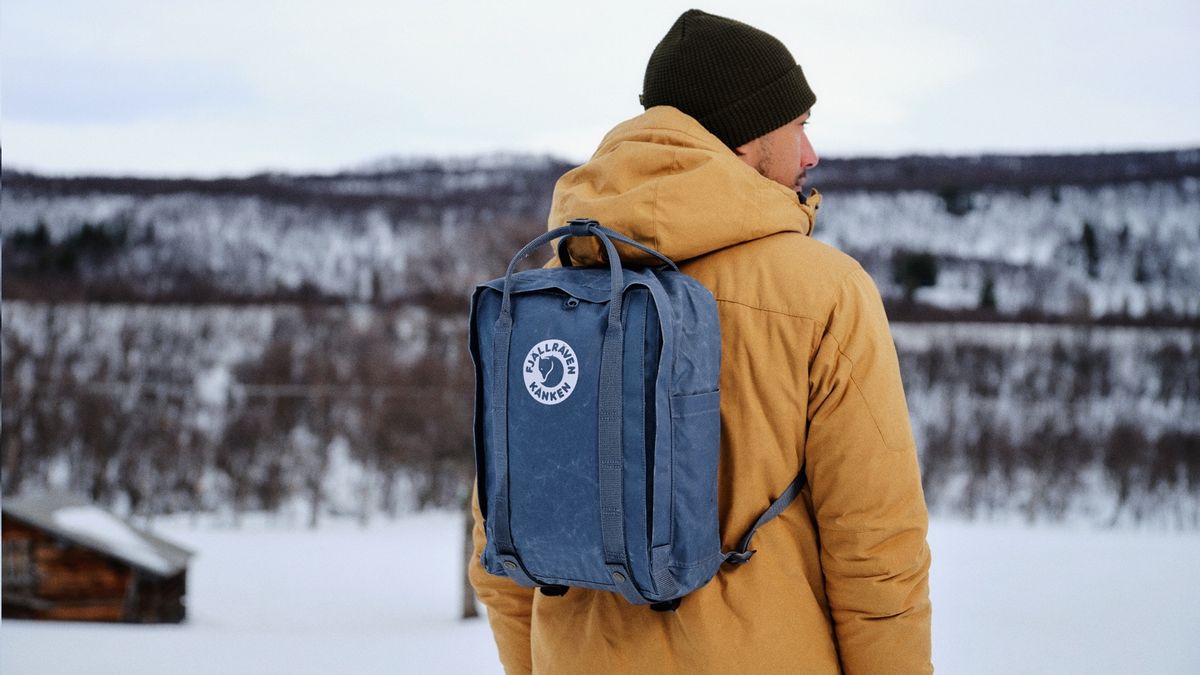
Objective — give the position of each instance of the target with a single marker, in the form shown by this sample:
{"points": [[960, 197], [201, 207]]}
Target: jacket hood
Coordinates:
{"points": [[662, 179]]}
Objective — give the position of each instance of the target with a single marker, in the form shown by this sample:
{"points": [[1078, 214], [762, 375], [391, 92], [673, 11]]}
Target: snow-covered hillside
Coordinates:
{"points": [[351, 404], [1144, 253], [1045, 421], [1096, 235], [347, 236]]}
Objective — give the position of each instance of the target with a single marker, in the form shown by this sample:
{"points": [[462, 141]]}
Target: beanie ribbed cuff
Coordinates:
{"points": [[765, 110]]}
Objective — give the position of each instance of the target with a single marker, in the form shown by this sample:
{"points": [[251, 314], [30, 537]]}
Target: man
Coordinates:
{"points": [[709, 175]]}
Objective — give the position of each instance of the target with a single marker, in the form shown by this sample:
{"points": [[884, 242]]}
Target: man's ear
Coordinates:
{"points": [[748, 151]]}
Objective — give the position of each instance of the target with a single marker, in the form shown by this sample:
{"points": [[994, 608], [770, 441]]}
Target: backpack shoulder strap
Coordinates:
{"points": [[743, 553]]}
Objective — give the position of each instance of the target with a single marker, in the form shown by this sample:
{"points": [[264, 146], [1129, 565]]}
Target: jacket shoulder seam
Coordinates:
{"points": [[850, 376], [820, 322], [773, 311]]}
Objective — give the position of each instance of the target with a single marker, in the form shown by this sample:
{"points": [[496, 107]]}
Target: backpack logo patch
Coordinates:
{"points": [[551, 371]]}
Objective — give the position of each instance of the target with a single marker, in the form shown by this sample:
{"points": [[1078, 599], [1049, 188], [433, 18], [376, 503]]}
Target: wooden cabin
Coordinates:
{"points": [[66, 559]]}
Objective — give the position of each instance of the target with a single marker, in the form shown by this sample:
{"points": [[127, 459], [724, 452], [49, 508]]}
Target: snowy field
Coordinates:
{"points": [[282, 599]]}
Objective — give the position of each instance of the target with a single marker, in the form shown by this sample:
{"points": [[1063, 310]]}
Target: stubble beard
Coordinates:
{"points": [[764, 164], [764, 160]]}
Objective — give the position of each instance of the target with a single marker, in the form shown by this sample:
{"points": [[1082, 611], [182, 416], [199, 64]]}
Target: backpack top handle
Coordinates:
{"points": [[581, 227], [565, 258]]}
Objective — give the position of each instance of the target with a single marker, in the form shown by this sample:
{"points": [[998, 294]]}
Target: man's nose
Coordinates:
{"points": [[808, 155]]}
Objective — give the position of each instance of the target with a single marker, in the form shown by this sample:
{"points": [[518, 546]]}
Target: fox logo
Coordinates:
{"points": [[551, 370]]}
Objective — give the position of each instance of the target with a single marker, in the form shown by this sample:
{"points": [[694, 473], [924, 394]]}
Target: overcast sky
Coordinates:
{"points": [[233, 87]]}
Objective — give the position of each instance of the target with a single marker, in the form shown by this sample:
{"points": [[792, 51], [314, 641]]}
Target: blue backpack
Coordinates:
{"points": [[597, 426]]}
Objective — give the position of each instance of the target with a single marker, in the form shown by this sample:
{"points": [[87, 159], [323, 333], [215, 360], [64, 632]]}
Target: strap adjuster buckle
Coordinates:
{"points": [[740, 557], [580, 227]]}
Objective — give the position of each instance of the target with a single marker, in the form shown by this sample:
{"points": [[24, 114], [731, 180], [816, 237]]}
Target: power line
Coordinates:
{"points": [[271, 390]]}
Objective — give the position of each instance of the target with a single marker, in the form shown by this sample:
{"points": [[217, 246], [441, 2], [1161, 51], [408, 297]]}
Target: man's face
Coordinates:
{"points": [[784, 155]]}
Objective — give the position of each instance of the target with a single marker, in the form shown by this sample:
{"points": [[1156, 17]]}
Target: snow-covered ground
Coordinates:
{"points": [[383, 599]]}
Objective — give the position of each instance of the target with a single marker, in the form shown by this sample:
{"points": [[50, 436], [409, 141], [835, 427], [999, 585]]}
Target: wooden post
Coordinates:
{"points": [[468, 593]]}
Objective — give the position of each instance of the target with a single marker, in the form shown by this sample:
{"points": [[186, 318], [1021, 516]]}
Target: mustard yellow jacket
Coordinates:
{"points": [[809, 378]]}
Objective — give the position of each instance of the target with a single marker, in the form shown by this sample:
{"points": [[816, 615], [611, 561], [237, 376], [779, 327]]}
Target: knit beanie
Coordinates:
{"points": [[736, 80]]}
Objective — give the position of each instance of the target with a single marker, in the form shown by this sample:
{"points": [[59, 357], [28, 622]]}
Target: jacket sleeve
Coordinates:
{"points": [[509, 605], [866, 490]]}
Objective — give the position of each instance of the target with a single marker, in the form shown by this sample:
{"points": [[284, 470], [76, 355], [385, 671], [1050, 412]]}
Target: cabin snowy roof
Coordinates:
{"points": [[79, 521]]}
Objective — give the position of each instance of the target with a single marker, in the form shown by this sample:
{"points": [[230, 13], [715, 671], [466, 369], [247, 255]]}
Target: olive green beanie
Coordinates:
{"points": [[736, 80]]}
